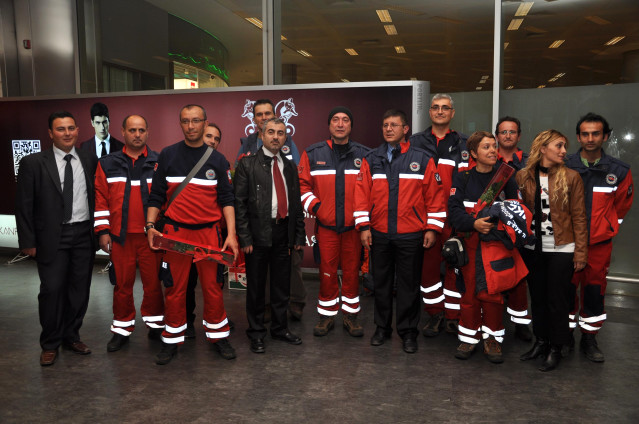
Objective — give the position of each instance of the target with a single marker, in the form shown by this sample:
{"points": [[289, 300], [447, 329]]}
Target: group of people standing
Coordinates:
{"points": [[399, 202]]}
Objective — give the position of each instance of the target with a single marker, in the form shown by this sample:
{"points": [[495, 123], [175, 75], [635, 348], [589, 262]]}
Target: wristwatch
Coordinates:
{"points": [[148, 226]]}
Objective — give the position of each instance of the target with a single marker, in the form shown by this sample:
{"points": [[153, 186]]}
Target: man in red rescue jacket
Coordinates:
{"points": [[122, 186], [328, 171]]}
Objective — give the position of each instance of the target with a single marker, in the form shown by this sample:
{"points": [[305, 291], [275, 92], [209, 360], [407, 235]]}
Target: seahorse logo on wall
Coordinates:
{"points": [[284, 109]]}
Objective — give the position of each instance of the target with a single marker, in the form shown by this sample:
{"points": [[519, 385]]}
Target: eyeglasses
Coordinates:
{"points": [[436, 108], [504, 132], [391, 125], [193, 121]]}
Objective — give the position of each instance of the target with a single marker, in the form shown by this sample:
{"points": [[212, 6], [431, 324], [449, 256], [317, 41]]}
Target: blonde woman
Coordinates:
{"points": [[555, 194]]}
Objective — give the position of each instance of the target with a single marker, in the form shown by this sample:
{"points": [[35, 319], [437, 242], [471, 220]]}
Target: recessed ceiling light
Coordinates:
{"points": [[400, 49], [615, 40], [283, 38], [345, 80], [477, 88], [304, 53], [390, 29], [510, 87], [485, 77], [255, 22], [514, 24], [351, 52], [556, 44], [524, 8], [541, 86], [384, 15], [598, 20], [413, 78]]}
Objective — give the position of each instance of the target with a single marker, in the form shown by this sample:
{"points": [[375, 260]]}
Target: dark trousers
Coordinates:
{"points": [[64, 286], [550, 289], [277, 258], [403, 259]]}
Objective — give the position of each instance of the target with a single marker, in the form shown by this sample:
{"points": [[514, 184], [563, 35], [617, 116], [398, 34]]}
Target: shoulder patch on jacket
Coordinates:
{"points": [[439, 179]]}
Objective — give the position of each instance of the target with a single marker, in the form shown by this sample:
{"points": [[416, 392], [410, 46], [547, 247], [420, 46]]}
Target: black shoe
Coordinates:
{"points": [[224, 348], [189, 333], [409, 344], [166, 354], [522, 332], [540, 348], [116, 342], [379, 337], [257, 346], [155, 333], [552, 360], [588, 345], [287, 337]]}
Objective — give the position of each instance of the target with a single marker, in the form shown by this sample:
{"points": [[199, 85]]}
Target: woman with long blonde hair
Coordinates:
{"points": [[555, 194]]}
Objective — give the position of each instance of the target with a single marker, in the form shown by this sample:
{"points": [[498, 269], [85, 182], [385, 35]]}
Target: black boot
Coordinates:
{"points": [[540, 348], [552, 360], [588, 345]]}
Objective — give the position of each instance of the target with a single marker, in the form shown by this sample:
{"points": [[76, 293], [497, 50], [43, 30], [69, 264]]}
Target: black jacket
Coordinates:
{"points": [[115, 146], [253, 193]]}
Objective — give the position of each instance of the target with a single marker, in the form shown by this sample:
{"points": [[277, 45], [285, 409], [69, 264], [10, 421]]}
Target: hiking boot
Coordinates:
{"points": [[224, 348], [588, 345], [522, 332], [352, 326], [116, 342], [464, 351], [492, 350], [166, 354], [324, 325], [434, 325], [451, 326]]}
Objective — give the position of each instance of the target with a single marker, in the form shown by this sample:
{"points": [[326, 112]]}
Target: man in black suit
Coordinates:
{"points": [[54, 216], [102, 143], [270, 224]]}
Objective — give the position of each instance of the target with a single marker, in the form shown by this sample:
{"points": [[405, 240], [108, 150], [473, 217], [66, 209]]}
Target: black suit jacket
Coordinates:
{"points": [[39, 203], [115, 146]]}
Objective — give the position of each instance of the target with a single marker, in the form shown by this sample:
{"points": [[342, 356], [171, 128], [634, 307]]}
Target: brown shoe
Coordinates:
{"points": [[434, 325], [464, 351], [296, 309], [48, 357], [352, 326], [78, 347], [324, 325], [492, 350]]}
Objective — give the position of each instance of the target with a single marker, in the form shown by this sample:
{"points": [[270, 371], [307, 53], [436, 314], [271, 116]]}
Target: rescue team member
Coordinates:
{"points": [[328, 173], [481, 316], [263, 110], [270, 224], [122, 183], [193, 215], [508, 133], [399, 209], [54, 205], [608, 193], [448, 148], [556, 195]]}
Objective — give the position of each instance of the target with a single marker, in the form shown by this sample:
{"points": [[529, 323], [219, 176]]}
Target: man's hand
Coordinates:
{"points": [[366, 238], [429, 239], [231, 243], [579, 266], [31, 251], [248, 249], [482, 225], [105, 243], [149, 235]]}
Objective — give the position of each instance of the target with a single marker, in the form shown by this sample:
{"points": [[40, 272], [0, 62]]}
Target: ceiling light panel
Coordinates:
{"points": [[615, 40], [384, 15], [255, 22], [514, 24], [400, 49], [351, 52], [556, 44], [390, 29], [524, 8]]}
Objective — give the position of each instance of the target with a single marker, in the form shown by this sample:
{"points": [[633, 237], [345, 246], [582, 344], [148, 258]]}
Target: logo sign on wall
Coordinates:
{"points": [[284, 109], [22, 148]]}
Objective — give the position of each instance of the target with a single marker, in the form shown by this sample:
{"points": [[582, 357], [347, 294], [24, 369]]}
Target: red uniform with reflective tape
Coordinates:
{"points": [[121, 195], [327, 183], [609, 192], [194, 215]]}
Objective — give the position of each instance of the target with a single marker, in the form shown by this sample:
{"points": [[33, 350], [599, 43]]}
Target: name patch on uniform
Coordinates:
{"points": [[286, 150], [210, 174], [414, 166], [438, 178], [453, 190], [320, 162], [357, 162], [465, 155], [611, 179]]}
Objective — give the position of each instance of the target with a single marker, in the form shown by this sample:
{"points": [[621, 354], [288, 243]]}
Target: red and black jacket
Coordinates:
{"points": [[517, 161], [608, 194]]}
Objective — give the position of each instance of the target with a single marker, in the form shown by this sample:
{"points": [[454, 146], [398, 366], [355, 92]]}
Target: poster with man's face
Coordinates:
{"points": [[101, 126]]}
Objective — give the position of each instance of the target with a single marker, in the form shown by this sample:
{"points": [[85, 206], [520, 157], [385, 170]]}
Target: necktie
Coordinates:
{"points": [[103, 152], [280, 190], [67, 190]]}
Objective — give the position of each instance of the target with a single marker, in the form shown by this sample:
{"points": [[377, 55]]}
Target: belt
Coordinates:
{"points": [[279, 221], [72, 224]]}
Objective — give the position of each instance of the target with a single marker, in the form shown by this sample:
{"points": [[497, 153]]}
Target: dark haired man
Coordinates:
{"points": [[609, 194], [102, 143], [54, 210]]}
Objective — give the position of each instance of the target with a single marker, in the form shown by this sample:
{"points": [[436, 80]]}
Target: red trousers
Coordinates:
{"points": [[590, 283], [439, 297], [341, 250], [214, 316], [478, 316], [518, 303], [136, 250]]}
